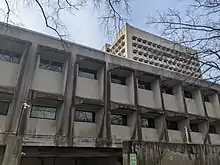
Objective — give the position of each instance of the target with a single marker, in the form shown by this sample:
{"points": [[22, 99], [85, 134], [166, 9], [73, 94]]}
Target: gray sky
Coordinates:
{"points": [[84, 27]]}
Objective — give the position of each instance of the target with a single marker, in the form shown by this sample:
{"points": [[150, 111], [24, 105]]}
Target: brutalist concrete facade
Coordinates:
{"points": [[151, 104]]}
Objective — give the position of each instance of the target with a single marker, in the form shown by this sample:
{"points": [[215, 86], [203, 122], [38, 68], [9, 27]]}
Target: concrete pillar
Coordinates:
{"points": [[130, 81], [178, 92], [104, 125], [184, 125], [184, 128], [157, 93], [215, 102], [200, 104], [28, 65], [136, 125], [161, 126], [13, 151], [66, 113], [204, 129]]}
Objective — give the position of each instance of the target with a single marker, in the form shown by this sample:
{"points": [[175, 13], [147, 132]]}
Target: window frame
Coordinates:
{"points": [[215, 131], [50, 64], [86, 70], [120, 78], [149, 125], [8, 105], [93, 116], [37, 105], [167, 90], [11, 55], [124, 120], [188, 94], [147, 86], [176, 123], [197, 127]]}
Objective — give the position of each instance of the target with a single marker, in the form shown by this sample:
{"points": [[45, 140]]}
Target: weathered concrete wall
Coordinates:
{"points": [[171, 154]]}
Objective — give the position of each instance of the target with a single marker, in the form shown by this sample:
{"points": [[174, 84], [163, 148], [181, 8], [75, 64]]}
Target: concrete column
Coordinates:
{"points": [[130, 81], [161, 126], [13, 151], [28, 65], [200, 104], [136, 125], [184, 125], [157, 93], [178, 92], [184, 128], [104, 125], [204, 129], [216, 105], [66, 113]]}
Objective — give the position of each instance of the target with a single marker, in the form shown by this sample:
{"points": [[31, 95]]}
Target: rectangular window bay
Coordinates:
{"points": [[51, 65], [84, 116], [117, 119], [43, 112], [87, 73], [9, 56]]}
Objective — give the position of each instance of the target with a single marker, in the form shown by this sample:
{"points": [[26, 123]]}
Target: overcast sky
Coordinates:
{"points": [[84, 27]]}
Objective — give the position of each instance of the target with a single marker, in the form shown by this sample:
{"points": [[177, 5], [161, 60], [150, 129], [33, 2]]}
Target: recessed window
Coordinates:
{"points": [[172, 125], [85, 116], [194, 127], [188, 94], [4, 108], [167, 90], [212, 129], [51, 65], [147, 123], [87, 73], [144, 85], [9, 57], [118, 79], [206, 99], [43, 112], [117, 119]]}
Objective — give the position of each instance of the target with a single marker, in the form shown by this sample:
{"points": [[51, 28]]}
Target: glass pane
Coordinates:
{"points": [[118, 80], [4, 108], [87, 73], [84, 116], [51, 65], [43, 112], [118, 119], [9, 57]]}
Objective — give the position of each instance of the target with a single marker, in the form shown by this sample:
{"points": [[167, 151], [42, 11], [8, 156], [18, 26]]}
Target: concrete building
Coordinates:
{"points": [[77, 105], [153, 50]]}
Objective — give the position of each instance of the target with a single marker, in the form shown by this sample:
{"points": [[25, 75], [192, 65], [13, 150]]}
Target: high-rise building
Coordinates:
{"points": [[153, 50]]}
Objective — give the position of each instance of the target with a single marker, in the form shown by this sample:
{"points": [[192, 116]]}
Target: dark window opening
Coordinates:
{"points": [[212, 129], [167, 90], [118, 119], [172, 125], [144, 85], [87, 73], [4, 108], [43, 112], [118, 79], [188, 94], [194, 127], [85, 116], [51, 65], [9, 56], [147, 123], [206, 99]]}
